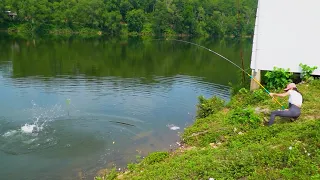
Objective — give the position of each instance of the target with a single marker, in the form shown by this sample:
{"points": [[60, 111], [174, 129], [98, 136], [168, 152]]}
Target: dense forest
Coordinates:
{"points": [[146, 17]]}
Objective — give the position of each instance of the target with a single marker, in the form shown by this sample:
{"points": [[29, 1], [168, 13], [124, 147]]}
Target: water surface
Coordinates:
{"points": [[70, 107]]}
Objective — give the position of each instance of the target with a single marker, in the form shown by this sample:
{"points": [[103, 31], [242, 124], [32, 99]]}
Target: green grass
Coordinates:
{"points": [[234, 144]]}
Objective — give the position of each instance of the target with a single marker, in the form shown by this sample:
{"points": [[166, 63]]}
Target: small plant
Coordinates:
{"points": [[244, 116], [110, 176], [155, 157], [209, 106], [278, 78], [307, 71]]}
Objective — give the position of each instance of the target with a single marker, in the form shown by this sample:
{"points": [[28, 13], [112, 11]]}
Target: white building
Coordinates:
{"points": [[287, 33]]}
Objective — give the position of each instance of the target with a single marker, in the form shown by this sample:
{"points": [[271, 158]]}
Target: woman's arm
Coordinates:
{"points": [[280, 95]]}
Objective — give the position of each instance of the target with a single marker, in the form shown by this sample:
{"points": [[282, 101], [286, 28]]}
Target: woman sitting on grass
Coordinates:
{"points": [[295, 103]]}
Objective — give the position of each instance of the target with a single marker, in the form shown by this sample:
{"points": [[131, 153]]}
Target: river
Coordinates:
{"points": [[70, 106]]}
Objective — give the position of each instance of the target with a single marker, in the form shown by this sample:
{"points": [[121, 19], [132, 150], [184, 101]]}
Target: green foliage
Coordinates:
{"points": [[26, 28], [135, 19], [246, 97], [209, 106], [155, 157], [88, 33], [174, 17], [147, 29], [243, 82], [132, 166], [315, 83], [208, 130], [278, 78], [244, 149], [281, 152], [110, 176], [64, 31], [245, 116], [307, 72]]}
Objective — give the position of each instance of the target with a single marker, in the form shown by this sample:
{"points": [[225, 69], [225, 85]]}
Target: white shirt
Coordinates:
{"points": [[295, 97]]}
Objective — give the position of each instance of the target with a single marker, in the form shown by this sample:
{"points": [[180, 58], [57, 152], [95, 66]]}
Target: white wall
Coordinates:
{"points": [[287, 33]]}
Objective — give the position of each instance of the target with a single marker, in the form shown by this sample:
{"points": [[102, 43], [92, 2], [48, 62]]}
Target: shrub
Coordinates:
{"points": [[307, 71], [110, 176], [278, 78], [26, 28], [169, 32], [62, 31], [147, 29], [245, 116], [245, 97], [315, 83], [155, 157], [209, 106]]}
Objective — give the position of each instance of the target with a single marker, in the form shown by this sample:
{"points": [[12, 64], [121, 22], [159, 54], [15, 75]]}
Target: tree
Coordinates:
{"points": [[191, 17], [125, 6], [163, 16], [2, 13], [111, 22], [189, 21], [135, 19]]}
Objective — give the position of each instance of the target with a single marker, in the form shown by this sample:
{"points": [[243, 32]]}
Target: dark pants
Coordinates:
{"points": [[292, 112]]}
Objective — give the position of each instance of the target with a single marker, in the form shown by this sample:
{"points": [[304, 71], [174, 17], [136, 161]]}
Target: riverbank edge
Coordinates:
{"points": [[88, 32], [214, 133]]}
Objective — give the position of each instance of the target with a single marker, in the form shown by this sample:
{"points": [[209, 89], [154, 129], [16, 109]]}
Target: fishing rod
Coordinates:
{"points": [[229, 62]]}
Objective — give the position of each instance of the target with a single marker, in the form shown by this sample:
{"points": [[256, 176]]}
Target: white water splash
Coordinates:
{"points": [[30, 141], [34, 134], [173, 127], [40, 117], [28, 128], [9, 133]]}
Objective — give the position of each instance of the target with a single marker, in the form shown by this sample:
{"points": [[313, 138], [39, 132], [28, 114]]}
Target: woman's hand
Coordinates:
{"points": [[271, 94]]}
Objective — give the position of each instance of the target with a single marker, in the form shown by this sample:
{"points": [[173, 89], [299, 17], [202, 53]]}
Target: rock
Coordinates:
{"points": [[213, 145], [222, 138], [260, 110]]}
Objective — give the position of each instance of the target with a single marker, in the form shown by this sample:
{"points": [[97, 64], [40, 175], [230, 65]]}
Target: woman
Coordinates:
{"points": [[295, 103]]}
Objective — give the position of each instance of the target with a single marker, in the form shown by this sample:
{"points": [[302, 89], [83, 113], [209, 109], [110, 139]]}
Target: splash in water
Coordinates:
{"points": [[41, 117], [27, 128], [35, 135], [173, 127]]}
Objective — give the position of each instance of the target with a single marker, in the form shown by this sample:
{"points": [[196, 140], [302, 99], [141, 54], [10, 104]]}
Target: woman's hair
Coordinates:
{"points": [[296, 89]]}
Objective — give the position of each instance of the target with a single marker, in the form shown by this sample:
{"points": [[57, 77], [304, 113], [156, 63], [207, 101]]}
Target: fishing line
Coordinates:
{"points": [[187, 42]]}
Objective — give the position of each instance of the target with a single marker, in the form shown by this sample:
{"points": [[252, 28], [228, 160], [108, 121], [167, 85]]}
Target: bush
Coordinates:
{"points": [[26, 28], [315, 83], [307, 71], [147, 29], [278, 78], [62, 31], [155, 157], [245, 117], [110, 176], [245, 97], [209, 106], [12, 29], [169, 32]]}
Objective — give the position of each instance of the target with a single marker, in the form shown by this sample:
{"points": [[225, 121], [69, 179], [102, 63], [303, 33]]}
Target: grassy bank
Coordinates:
{"points": [[229, 141]]}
